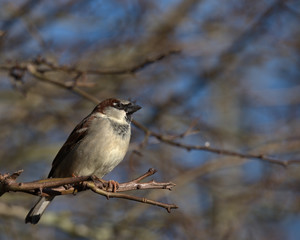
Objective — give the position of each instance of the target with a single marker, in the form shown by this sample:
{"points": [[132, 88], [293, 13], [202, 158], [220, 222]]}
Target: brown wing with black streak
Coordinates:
{"points": [[75, 137]]}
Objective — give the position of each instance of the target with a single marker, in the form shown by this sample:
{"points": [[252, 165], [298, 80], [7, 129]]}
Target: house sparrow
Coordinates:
{"points": [[96, 145]]}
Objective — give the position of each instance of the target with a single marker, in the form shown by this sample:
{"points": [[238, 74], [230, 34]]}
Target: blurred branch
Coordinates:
{"points": [[19, 12], [59, 220], [71, 185], [231, 55], [34, 72], [36, 68], [255, 30], [169, 21], [170, 141], [127, 70], [42, 65]]}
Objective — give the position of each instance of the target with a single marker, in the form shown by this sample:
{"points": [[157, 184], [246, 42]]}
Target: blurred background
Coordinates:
{"points": [[224, 74]]}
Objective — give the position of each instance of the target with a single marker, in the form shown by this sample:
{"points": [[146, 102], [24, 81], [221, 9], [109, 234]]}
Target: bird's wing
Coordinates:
{"points": [[75, 137]]}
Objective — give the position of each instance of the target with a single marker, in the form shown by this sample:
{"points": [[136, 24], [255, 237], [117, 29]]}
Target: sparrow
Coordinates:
{"points": [[94, 148]]}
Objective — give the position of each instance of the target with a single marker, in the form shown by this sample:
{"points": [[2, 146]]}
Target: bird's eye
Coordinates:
{"points": [[118, 105]]}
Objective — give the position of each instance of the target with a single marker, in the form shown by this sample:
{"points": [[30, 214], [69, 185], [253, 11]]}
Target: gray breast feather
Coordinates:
{"points": [[120, 129]]}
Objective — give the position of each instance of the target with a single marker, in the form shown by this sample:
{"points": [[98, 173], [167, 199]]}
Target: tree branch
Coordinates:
{"points": [[72, 185], [171, 141], [127, 70], [42, 65]]}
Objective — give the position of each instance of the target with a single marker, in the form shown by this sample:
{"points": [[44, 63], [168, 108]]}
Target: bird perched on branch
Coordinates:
{"points": [[94, 148]]}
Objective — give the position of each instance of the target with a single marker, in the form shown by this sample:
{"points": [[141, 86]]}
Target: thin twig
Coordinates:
{"points": [[127, 70], [150, 172], [93, 187], [188, 147], [32, 70]]}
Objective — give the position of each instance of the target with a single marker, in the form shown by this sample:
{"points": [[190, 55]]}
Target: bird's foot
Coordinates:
{"points": [[68, 186], [113, 185], [110, 185]]}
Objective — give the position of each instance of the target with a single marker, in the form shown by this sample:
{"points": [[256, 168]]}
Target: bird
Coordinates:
{"points": [[94, 148]]}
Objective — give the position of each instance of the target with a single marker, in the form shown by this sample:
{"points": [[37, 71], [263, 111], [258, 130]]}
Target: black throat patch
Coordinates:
{"points": [[120, 129]]}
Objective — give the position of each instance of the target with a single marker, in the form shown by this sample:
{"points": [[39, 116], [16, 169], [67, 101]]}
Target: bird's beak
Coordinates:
{"points": [[131, 108]]}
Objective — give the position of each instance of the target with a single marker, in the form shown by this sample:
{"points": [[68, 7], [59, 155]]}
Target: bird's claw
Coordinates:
{"points": [[114, 185], [107, 185]]}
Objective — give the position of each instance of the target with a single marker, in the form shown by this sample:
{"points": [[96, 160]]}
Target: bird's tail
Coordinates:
{"points": [[38, 209]]}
